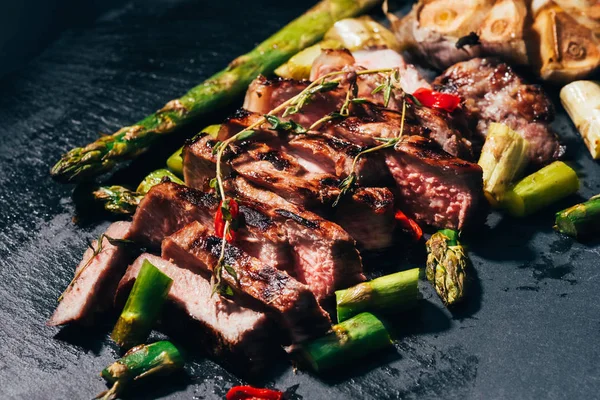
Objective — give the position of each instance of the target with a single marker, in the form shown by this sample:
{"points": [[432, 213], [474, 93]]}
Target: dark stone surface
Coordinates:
{"points": [[527, 332]]}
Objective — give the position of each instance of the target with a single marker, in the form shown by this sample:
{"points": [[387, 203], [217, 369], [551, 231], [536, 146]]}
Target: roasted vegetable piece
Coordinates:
{"points": [[220, 89], [362, 33], [298, 67], [143, 306], [581, 99], [156, 177], [502, 32], [175, 161], [540, 189], [356, 337], [120, 200], [446, 265], [409, 224], [503, 159], [388, 293], [568, 50], [580, 220], [139, 362], [252, 393]]}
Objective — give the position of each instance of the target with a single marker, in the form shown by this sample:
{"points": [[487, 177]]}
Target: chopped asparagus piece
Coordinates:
{"points": [[139, 362], [118, 199], [580, 220], [154, 178], [446, 265], [503, 159], [354, 338], [540, 189], [388, 293], [143, 306]]}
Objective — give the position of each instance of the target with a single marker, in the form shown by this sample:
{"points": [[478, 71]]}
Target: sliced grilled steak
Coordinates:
{"points": [[227, 330], [275, 290], [434, 187], [368, 216], [493, 92], [264, 164], [325, 255], [97, 279], [168, 207]]}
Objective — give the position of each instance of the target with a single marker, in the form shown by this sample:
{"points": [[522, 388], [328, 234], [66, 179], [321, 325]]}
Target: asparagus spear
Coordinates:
{"points": [[446, 265], [139, 362], [220, 89], [503, 158], [540, 189], [580, 220], [175, 161], [349, 340], [143, 306], [120, 200], [387, 293]]}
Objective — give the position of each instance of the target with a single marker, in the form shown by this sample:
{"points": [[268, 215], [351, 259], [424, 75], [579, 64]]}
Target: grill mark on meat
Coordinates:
{"points": [[298, 219], [253, 218], [196, 197], [260, 284], [274, 157]]}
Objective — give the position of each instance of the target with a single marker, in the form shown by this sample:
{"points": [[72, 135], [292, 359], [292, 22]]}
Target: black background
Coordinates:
{"points": [[529, 329]]}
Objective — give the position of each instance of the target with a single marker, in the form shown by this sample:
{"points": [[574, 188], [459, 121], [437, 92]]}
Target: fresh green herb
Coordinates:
{"points": [[284, 126]]}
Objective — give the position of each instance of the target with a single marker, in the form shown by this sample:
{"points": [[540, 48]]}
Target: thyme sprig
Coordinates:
{"points": [[347, 185], [391, 82], [95, 252]]}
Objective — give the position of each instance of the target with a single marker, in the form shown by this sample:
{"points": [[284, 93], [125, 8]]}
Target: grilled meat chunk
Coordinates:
{"points": [[434, 187], [325, 255], [493, 92], [368, 216], [97, 279], [275, 290], [238, 335], [168, 207]]}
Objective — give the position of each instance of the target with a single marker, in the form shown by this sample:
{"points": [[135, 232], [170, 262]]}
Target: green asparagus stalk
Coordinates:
{"points": [[139, 362], [446, 265], [388, 293], [154, 178], [540, 189], [503, 158], [143, 306], [347, 341], [120, 200], [580, 220], [175, 162], [219, 90]]}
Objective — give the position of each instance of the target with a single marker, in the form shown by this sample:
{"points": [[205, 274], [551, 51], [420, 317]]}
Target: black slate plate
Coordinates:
{"points": [[528, 330]]}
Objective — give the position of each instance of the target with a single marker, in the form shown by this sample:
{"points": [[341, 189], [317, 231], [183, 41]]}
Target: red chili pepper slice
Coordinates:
{"points": [[441, 101], [252, 393], [220, 221], [410, 225]]}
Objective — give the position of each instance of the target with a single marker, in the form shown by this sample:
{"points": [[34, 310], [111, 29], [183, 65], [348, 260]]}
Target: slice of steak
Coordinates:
{"points": [[265, 164], [434, 187], [325, 255], [328, 153], [96, 279], [226, 330], [493, 92], [294, 304], [368, 216], [168, 207]]}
